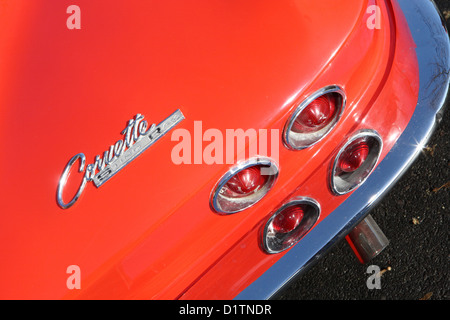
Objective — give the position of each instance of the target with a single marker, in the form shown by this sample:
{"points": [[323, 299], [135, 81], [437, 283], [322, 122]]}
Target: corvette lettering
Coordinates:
{"points": [[137, 138]]}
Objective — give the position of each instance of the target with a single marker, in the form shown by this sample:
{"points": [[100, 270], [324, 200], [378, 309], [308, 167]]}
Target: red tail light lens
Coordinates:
{"points": [[317, 114], [314, 118], [244, 185], [290, 224], [289, 219], [354, 156], [246, 181], [355, 161]]}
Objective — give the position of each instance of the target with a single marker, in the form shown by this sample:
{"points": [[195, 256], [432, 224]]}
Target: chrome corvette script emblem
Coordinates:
{"points": [[137, 138]]}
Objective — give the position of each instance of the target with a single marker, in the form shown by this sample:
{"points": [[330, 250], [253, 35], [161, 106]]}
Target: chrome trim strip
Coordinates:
{"points": [[303, 105], [433, 52]]}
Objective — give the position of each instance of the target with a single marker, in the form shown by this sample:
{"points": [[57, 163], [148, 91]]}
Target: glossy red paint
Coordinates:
{"points": [[150, 232]]}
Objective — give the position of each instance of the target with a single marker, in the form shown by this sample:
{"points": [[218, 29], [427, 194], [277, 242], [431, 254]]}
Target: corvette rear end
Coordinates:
{"points": [[206, 150]]}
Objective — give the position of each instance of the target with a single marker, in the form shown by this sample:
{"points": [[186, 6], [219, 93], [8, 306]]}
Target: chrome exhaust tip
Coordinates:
{"points": [[367, 240]]}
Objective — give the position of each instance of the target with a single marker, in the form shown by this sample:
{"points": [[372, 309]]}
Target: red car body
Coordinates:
{"points": [[150, 232]]}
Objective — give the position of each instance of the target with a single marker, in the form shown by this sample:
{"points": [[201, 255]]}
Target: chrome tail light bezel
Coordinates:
{"points": [[341, 186], [288, 134]]}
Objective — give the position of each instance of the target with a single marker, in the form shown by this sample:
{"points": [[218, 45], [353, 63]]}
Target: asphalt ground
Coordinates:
{"points": [[415, 218]]}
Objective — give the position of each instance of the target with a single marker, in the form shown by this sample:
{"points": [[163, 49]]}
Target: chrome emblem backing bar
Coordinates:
{"points": [[143, 142], [137, 138]]}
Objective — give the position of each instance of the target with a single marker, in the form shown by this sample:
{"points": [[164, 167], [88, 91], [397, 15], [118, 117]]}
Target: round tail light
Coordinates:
{"points": [[355, 161], [314, 118], [244, 185], [290, 224]]}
